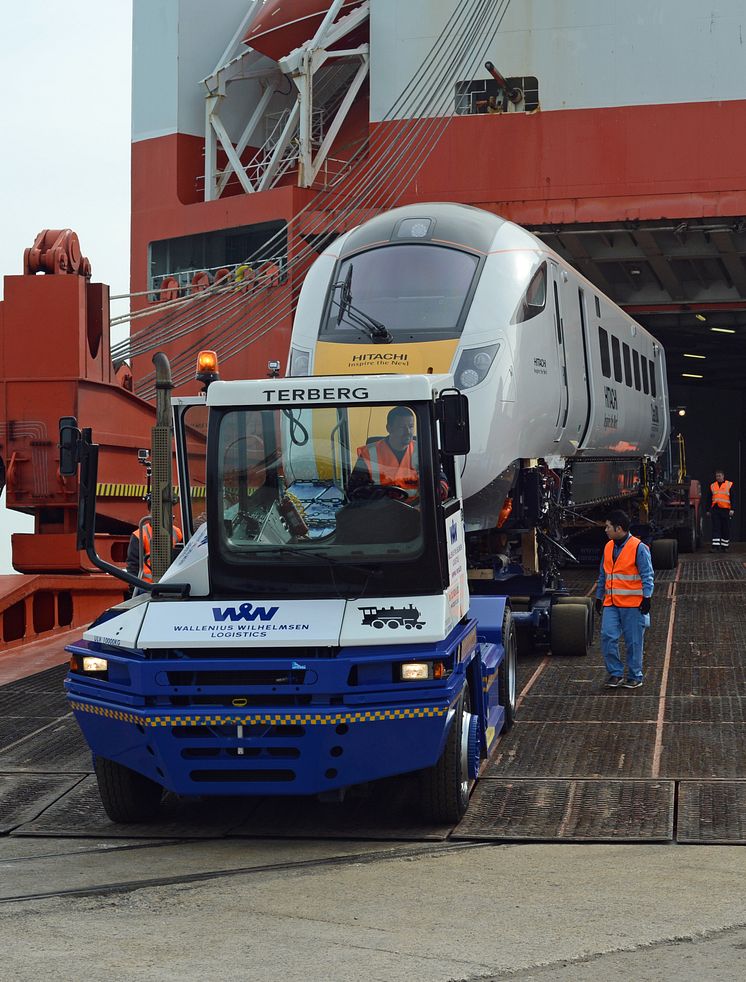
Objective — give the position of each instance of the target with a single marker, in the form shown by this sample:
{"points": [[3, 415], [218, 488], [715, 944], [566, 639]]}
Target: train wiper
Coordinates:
{"points": [[283, 550], [375, 330]]}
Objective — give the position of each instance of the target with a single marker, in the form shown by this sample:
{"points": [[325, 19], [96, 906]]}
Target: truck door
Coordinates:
{"points": [[559, 335]]}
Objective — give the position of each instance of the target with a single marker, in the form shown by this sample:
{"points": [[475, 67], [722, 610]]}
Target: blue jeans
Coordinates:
{"points": [[627, 622]]}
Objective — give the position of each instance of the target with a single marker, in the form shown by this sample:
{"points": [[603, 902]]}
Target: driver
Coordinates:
{"points": [[392, 461]]}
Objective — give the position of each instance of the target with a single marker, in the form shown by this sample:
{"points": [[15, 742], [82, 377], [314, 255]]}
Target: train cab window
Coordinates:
{"points": [[617, 354], [653, 385], [603, 343], [644, 366], [627, 365], [535, 298], [636, 364]]}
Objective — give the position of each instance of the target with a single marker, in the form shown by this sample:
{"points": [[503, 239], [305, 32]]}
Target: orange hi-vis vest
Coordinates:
{"points": [[147, 538], [384, 467], [721, 494], [623, 581]]}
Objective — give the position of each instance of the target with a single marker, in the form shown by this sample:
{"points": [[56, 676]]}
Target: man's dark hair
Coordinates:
{"points": [[397, 412], [618, 518]]}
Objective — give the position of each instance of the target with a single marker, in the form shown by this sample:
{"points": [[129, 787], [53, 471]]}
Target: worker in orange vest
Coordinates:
{"points": [[392, 461], [133, 551], [623, 592], [721, 508]]}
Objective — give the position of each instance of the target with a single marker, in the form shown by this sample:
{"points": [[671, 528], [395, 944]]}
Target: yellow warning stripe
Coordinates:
{"points": [[108, 490], [306, 719]]}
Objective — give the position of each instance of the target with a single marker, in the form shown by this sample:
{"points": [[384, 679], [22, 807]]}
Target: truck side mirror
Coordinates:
{"points": [[69, 443], [453, 413]]}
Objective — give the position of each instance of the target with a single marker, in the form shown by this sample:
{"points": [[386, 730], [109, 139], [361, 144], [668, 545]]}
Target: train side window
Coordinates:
{"points": [[535, 298], [645, 387], [617, 354], [603, 343], [636, 364], [627, 364], [598, 307], [653, 385]]}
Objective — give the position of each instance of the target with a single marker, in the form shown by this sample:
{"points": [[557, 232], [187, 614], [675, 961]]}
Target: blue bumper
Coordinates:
{"points": [[199, 727]]}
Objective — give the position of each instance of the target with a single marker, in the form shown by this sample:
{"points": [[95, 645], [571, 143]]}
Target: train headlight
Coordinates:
{"points": [[468, 379], [299, 362], [474, 365]]}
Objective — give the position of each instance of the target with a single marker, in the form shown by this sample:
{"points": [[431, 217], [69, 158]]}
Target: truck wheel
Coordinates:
{"points": [[569, 629], [587, 602], [664, 553], [506, 673], [126, 795], [445, 787]]}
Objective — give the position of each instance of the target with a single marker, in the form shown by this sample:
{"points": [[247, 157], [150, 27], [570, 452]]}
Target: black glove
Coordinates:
{"points": [[645, 605], [599, 606]]}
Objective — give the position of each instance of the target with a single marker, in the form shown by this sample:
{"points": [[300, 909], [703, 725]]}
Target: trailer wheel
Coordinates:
{"points": [[587, 602], [686, 537], [127, 796], [445, 787], [506, 673], [569, 629], [664, 553]]}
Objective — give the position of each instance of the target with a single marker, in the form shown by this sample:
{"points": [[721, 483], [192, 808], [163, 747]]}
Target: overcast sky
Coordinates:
{"points": [[65, 120]]}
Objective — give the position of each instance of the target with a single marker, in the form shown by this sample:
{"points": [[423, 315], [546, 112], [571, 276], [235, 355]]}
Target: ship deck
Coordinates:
{"points": [[664, 763]]}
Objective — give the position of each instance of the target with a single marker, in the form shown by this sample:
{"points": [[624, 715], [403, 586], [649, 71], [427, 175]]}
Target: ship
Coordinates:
{"points": [[263, 130]]}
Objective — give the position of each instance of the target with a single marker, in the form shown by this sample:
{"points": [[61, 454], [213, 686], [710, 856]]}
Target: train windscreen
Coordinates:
{"points": [[411, 292]]}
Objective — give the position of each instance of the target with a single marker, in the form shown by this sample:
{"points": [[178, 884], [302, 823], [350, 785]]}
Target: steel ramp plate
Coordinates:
{"points": [[53, 746], [24, 796], [712, 812], [387, 810], [577, 811], [80, 813], [703, 750], [574, 750]]}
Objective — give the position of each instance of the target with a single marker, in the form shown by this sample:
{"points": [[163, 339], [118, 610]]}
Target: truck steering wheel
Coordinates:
{"points": [[374, 492]]}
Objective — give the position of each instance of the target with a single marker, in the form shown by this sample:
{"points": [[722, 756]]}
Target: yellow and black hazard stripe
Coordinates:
{"points": [[266, 719], [109, 490]]}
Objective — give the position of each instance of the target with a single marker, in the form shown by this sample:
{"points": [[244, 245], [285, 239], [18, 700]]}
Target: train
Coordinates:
{"points": [[552, 368]]}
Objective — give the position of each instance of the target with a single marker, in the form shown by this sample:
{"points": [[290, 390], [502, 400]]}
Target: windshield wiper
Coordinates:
{"points": [[375, 330], [308, 554]]}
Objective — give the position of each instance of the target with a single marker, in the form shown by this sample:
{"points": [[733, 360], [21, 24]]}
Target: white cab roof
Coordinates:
{"points": [[324, 389]]}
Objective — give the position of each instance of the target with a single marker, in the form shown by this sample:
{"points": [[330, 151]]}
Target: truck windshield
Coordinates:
{"points": [[338, 484], [419, 292]]}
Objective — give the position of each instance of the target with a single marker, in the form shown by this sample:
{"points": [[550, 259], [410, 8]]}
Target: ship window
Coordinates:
{"points": [[603, 343], [652, 379], [617, 354], [636, 364], [627, 365], [644, 366]]}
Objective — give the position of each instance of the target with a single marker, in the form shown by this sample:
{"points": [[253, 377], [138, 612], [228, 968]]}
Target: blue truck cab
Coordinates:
{"points": [[315, 632]]}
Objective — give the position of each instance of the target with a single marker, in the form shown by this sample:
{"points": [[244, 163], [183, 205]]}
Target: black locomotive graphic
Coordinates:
{"points": [[394, 617]]}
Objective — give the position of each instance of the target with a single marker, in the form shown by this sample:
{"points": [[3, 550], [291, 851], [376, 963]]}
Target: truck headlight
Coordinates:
{"points": [[474, 364], [92, 664], [422, 671]]}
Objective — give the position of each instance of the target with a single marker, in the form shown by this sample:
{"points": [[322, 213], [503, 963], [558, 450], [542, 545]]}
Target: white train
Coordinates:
{"points": [[552, 368]]}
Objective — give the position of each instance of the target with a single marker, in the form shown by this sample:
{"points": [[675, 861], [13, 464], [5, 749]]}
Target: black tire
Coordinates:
{"points": [[686, 536], [664, 553], [507, 672], [590, 603], [569, 629], [445, 787], [127, 796]]}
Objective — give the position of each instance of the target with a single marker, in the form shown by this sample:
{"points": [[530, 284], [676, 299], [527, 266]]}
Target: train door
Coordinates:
{"points": [[559, 336]]}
